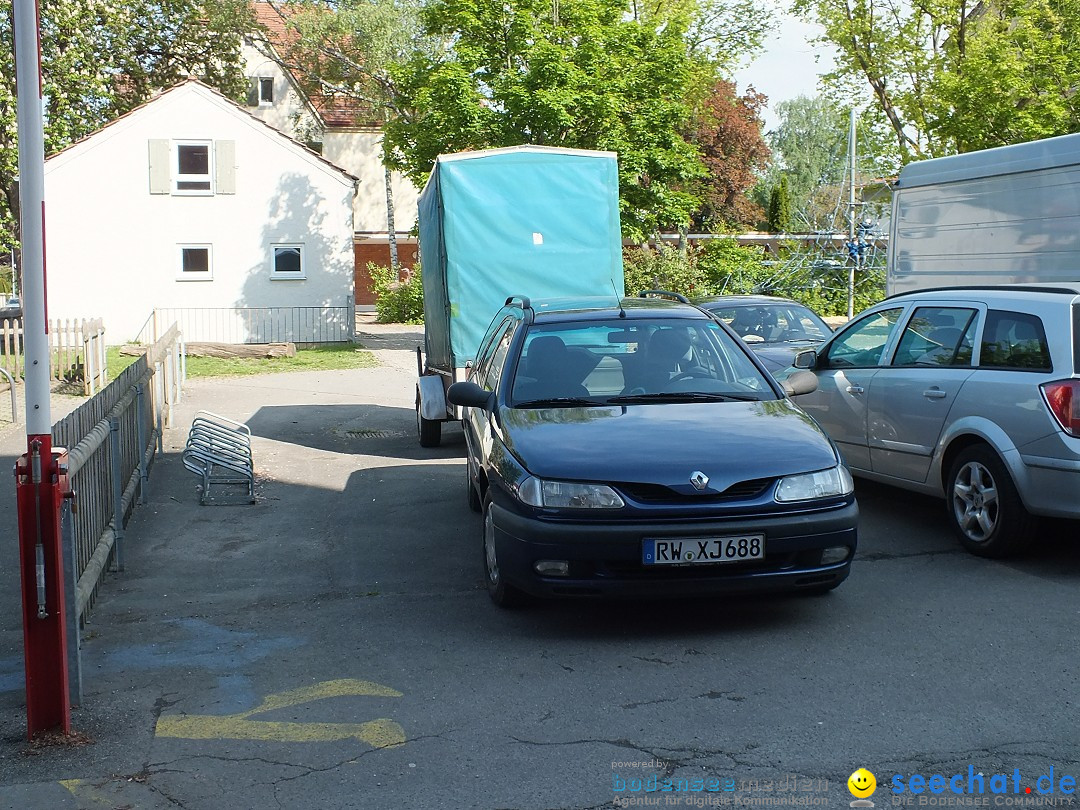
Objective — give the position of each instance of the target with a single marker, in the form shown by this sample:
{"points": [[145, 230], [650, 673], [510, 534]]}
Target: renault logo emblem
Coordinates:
{"points": [[699, 479]]}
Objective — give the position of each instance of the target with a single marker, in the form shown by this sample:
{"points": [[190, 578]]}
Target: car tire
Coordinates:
{"points": [[429, 431], [984, 507], [470, 487], [501, 593]]}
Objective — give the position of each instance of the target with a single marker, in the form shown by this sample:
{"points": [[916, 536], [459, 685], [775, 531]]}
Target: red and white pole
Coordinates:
{"points": [[40, 474]]}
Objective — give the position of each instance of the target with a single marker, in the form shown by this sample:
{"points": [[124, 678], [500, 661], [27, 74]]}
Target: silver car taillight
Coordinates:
{"points": [[1063, 399]]}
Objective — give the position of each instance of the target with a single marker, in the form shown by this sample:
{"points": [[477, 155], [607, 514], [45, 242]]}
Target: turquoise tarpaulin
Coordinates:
{"points": [[528, 220]]}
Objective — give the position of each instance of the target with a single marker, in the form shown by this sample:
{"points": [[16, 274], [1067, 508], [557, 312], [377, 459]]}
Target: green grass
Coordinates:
{"points": [[331, 357]]}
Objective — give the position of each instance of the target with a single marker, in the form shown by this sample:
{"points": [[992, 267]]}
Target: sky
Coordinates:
{"points": [[786, 67]]}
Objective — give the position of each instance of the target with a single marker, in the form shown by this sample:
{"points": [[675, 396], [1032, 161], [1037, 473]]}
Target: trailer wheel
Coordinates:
{"points": [[429, 431]]}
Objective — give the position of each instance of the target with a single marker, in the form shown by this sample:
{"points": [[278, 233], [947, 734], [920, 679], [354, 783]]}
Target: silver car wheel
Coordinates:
{"points": [[975, 501], [489, 548]]}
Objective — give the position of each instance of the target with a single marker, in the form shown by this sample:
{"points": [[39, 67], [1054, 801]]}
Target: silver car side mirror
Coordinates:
{"points": [[806, 359]]}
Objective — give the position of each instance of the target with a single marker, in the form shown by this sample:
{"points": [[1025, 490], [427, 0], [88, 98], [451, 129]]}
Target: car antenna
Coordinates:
{"points": [[618, 298]]}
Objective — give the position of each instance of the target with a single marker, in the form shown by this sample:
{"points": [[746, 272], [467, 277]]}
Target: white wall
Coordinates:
{"points": [[359, 152], [113, 247]]}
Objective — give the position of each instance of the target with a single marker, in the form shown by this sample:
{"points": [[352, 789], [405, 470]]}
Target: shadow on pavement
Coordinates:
{"points": [[372, 430]]}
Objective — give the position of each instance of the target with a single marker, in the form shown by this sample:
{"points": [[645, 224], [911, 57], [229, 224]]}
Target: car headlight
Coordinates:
{"points": [[824, 484], [565, 495]]}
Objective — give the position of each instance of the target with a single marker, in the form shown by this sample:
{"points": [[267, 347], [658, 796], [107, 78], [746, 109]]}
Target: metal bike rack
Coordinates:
{"points": [[219, 451]]}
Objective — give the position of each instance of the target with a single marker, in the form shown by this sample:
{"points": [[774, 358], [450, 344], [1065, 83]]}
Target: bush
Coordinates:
{"points": [[723, 266], [733, 269], [663, 268], [397, 300]]}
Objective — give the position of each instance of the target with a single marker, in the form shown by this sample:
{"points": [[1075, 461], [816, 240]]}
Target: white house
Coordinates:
{"points": [[190, 205], [345, 134]]}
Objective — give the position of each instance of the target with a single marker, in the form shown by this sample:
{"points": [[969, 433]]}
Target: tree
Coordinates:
{"points": [[957, 75], [810, 150], [349, 50], [100, 60], [809, 143], [580, 75], [1017, 78], [727, 131], [780, 206]]}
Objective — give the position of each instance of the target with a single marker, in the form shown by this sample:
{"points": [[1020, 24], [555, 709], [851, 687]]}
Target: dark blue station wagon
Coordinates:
{"points": [[638, 449]]}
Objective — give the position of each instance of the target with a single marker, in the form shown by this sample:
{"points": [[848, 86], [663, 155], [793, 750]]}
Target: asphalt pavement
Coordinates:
{"points": [[333, 647]]}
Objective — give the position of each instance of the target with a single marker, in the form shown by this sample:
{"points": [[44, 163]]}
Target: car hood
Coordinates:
{"points": [[665, 443]]}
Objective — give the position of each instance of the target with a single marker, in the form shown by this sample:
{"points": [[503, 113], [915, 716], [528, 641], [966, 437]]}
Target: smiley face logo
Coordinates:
{"points": [[862, 783]]}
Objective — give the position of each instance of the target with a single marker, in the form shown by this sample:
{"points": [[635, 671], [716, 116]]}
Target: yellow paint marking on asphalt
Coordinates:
{"points": [[379, 733], [87, 791]]}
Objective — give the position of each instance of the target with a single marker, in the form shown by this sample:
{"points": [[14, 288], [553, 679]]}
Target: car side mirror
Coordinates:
{"points": [[806, 359], [470, 395], [800, 382]]}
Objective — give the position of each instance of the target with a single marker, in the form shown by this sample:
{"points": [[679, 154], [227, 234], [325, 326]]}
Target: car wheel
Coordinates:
{"points": [[429, 431], [502, 594], [984, 506], [470, 487]]}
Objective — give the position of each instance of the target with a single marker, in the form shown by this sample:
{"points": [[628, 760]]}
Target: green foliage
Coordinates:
{"points": [[731, 268], [780, 207], [397, 301], [664, 267], [952, 75], [580, 75], [349, 47], [723, 266]]}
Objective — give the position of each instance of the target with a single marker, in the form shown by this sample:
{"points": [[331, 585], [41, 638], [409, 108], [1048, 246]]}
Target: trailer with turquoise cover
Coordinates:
{"points": [[535, 221]]}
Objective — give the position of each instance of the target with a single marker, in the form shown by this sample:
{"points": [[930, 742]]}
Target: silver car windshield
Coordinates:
{"points": [[634, 360]]}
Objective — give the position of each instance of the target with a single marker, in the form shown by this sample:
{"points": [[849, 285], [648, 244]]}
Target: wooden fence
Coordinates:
{"points": [[77, 349], [112, 440]]}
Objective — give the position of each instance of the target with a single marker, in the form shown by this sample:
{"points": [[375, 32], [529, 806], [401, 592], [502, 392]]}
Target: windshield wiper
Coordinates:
{"points": [[683, 396], [555, 401]]}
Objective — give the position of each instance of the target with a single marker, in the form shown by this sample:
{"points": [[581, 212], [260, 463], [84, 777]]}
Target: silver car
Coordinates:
{"points": [[969, 394]]}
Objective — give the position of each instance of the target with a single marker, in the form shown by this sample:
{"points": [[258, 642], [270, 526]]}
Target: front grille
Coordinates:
{"points": [[658, 493]]}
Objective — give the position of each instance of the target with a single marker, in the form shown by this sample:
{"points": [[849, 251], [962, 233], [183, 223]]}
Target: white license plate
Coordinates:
{"points": [[703, 551]]}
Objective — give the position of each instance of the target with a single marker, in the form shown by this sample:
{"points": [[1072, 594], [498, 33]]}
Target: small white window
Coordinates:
{"points": [[287, 261], [266, 91], [196, 263], [194, 167]]}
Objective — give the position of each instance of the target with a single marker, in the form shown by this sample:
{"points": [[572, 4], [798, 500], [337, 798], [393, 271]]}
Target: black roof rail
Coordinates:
{"points": [[673, 296]]}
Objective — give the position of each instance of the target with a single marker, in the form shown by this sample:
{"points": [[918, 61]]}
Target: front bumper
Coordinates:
{"points": [[605, 558]]}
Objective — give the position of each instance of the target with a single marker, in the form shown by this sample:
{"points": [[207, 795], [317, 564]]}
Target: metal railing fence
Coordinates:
{"points": [[112, 439], [316, 324]]}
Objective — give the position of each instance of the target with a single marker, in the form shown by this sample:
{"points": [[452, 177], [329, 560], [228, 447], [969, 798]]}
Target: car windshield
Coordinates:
{"points": [[605, 362], [773, 323]]}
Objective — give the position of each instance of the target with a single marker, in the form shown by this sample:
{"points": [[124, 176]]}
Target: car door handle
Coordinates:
{"points": [[934, 393], [855, 389]]}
